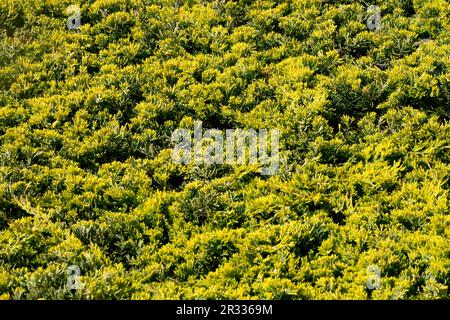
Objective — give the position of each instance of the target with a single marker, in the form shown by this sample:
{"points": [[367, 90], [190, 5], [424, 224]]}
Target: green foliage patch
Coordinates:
{"points": [[86, 176]]}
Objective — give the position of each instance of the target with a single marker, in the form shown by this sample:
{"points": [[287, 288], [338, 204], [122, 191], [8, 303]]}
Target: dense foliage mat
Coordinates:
{"points": [[86, 176]]}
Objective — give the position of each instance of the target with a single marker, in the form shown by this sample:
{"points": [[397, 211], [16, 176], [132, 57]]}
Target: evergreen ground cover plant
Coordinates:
{"points": [[358, 210]]}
